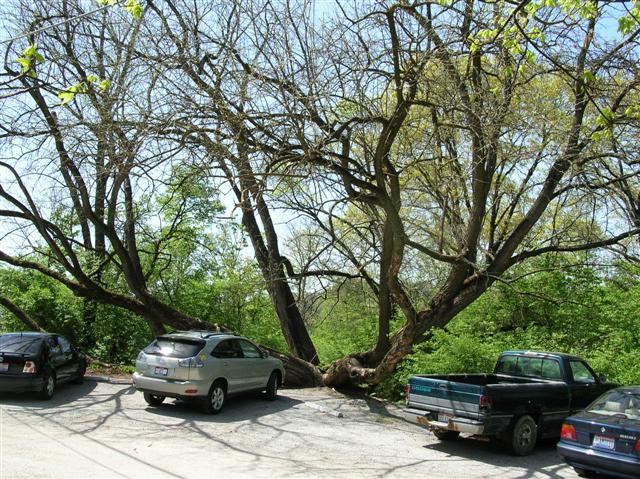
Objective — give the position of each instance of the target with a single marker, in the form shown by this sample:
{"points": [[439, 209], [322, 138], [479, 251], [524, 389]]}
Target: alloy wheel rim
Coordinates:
{"points": [[525, 436], [217, 398]]}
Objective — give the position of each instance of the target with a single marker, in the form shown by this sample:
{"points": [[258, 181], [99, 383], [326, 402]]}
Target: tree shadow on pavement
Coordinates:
{"points": [[237, 408]]}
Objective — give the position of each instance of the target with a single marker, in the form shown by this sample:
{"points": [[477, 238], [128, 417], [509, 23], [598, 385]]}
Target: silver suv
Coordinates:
{"points": [[206, 366]]}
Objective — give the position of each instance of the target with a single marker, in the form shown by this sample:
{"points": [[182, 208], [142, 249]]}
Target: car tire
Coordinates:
{"points": [[153, 399], [271, 392], [523, 437], [79, 377], [214, 402], [48, 386], [446, 435]]}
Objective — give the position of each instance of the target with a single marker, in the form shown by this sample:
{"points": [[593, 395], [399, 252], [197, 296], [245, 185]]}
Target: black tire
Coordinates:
{"points": [[215, 400], [48, 386], [79, 377], [523, 437], [271, 392], [153, 399], [446, 435]]}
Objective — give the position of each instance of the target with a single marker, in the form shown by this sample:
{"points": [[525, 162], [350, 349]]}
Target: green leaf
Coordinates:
{"points": [[104, 85], [66, 96], [92, 78]]}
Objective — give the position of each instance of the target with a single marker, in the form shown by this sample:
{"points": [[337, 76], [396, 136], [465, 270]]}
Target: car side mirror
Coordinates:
{"points": [[602, 378], [264, 354]]}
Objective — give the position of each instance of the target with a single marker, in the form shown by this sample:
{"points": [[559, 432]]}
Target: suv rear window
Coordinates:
{"points": [[175, 347], [17, 343]]}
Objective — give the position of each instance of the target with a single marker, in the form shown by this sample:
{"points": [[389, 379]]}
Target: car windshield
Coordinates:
{"points": [[623, 403], [18, 343], [175, 347]]}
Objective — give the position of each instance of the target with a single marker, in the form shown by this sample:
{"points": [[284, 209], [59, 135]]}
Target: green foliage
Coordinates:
{"points": [[83, 87], [30, 57], [49, 303], [345, 322]]}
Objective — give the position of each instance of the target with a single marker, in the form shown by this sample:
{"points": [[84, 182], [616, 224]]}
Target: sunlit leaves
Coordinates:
{"points": [[30, 57], [132, 6], [83, 87], [630, 22]]}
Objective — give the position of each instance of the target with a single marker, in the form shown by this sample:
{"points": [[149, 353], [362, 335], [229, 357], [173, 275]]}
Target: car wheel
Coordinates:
{"points": [[272, 388], [523, 436], [445, 434], [214, 402], [79, 378], [48, 386], [153, 399]]}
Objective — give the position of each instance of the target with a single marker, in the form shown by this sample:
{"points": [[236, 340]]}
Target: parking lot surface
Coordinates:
{"points": [[107, 430]]}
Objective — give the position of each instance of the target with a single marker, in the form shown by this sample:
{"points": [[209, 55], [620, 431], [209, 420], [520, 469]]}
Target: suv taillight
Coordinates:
{"points": [[569, 432], [190, 363], [407, 390], [637, 448], [29, 367], [485, 402]]}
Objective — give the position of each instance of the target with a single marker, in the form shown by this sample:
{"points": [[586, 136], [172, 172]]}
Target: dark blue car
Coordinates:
{"points": [[605, 437]]}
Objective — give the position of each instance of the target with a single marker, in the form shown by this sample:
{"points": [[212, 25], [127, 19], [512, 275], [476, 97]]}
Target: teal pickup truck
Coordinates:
{"points": [[527, 397]]}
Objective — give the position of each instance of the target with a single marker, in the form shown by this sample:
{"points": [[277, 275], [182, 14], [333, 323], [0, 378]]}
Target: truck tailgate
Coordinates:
{"points": [[438, 402]]}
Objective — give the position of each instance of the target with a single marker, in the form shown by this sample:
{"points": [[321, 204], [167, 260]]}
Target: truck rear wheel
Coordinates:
{"points": [[523, 437], [445, 434]]}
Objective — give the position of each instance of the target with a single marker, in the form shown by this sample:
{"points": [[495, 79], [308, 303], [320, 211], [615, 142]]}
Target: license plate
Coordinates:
{"points": [[160, 371], [444, 417], [4, 366], [604, 442]]}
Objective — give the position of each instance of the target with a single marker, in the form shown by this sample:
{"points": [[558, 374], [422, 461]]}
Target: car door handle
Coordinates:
{"points": [[225, 363]]}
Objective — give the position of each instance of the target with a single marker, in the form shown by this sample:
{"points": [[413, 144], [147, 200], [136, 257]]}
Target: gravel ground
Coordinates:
{"points": [[101, 429]]}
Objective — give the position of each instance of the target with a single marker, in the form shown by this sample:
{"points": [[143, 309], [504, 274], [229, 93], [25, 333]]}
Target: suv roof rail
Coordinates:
{"points": [[204, 334]]}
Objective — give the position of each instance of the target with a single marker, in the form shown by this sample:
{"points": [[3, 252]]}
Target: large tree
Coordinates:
{"points": [[438, 143]]}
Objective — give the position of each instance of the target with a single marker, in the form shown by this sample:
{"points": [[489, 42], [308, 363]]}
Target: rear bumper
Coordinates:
{"points": [[600, 461], [460, 424], [19, 384], [169, 387]]}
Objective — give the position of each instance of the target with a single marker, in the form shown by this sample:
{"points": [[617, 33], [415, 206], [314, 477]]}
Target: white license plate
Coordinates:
{"points": [[4, 366], [160, 371], [604, 442], [444, 417]]}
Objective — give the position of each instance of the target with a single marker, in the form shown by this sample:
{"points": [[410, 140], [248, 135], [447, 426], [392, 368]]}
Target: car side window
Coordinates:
{"points": [[581, 373], [54, 347], [227, 349], [249, 350], [64, 344], [551, 369]]}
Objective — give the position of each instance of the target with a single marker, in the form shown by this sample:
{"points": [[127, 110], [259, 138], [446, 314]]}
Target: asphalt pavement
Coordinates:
{"points": [[105, 430]]}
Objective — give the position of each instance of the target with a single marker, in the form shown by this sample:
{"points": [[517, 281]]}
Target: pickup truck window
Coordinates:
{"points": [[581, 373], [529, 367]]}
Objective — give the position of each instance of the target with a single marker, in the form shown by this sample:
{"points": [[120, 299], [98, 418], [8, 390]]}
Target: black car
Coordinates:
{"points": [[605, 437], [38, 362]]}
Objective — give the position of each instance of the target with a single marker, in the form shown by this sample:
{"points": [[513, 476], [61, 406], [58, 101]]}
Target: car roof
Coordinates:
{"points": [[29, 334], [540, 354]]}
